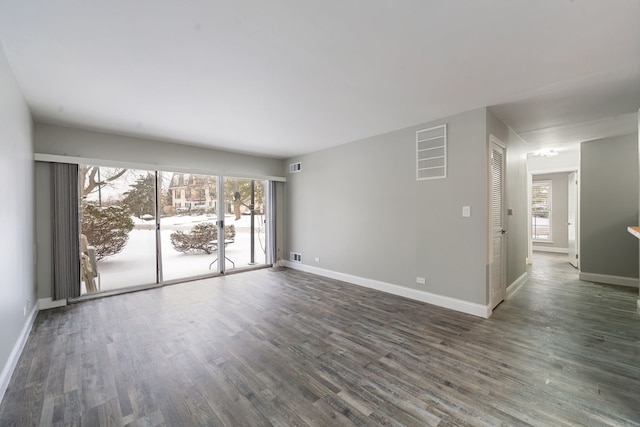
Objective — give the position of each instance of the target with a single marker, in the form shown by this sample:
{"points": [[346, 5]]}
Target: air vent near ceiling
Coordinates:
{"points": [[295, 167], [431, 153]]}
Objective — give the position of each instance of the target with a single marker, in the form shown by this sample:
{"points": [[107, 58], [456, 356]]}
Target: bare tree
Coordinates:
{"points": [[92, 180]]}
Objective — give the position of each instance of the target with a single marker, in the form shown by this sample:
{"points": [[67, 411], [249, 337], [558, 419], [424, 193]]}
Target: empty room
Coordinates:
{"points": [[320, 213]]}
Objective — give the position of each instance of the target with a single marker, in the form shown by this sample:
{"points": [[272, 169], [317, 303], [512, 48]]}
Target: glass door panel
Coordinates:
{"points": [[118, 239], [188, 225], [244, 219]]}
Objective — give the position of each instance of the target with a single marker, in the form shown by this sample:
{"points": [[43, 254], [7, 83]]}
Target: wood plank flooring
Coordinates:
{"points": [[292, 349]]}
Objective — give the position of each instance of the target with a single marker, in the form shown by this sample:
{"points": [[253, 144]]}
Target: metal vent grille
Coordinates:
{"points": [[295, 167], [431, 153]]}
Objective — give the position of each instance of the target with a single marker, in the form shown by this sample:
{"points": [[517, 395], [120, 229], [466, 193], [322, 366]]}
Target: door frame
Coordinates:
{"points": [[577, 219], [503, 259], [530, 175]]}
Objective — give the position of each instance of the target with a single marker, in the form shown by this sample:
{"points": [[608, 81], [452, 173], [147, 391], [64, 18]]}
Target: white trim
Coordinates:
{"points": [[555, 170], [609, 279], [638, 304], [56, 158], [12, 362], [47, 303], [550, 249], [414, 294], [516, 285]]}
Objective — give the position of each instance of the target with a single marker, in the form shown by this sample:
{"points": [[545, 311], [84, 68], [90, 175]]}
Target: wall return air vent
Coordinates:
{"points": [[431, 153], [295, 167]]}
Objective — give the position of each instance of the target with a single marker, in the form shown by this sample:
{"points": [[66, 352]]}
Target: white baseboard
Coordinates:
{"points": [[516, 285], [47, 303], [610, 280], [12, 362], [550, 249], [439, 300]]}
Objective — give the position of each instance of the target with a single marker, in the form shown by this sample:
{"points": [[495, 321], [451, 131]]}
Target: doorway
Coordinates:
{"points": [[497, 270], [554, 214]]}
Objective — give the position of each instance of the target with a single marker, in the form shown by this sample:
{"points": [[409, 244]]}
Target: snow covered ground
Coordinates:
{"points": [[136, 264]]}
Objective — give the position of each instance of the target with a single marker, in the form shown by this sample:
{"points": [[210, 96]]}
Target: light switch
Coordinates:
{"points": [[466, 211]]}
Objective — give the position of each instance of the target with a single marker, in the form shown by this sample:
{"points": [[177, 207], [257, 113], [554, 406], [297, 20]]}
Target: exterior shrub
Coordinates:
{"points": [[199, 238], [106, 228]]}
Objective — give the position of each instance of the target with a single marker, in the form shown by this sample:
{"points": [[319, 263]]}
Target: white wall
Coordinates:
{"points": [[17, 218]]}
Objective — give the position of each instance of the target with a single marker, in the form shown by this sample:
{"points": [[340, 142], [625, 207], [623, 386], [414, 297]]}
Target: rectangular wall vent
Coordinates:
{"points": [[295, 257], [295, 167], [431, 153]]}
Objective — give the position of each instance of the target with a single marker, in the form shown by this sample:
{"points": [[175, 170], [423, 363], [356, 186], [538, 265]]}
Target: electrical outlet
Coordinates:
{"points": [[295, 257], [421, 280], [24, 311], [317, 259]]}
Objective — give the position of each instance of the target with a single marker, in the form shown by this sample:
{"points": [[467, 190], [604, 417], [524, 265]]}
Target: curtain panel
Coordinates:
{"points": [[66, 231]]}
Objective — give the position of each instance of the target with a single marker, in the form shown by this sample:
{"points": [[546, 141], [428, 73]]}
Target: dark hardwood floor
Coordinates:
{"points": [[289, 348]]}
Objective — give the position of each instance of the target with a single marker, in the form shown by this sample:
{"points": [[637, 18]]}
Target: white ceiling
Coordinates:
{"points": [[287, 77]]}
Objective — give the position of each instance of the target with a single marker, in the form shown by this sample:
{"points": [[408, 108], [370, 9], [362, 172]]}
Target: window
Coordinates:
{"points": [[541, 211]]}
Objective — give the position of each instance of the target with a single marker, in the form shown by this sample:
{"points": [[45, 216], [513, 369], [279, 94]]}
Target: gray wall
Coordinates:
{"points": [[559, 210], [16, 215], [359, 208], [141, 153], [608, 205], [515, 196]]}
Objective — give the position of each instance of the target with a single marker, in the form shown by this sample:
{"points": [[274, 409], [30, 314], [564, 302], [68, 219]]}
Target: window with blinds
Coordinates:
{"points": [[541, 211], [431, 153]]}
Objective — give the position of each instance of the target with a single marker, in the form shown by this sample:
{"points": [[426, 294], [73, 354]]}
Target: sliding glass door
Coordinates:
{"points": [[125, 242], [117, 228], [188, 229], [245, 214]]}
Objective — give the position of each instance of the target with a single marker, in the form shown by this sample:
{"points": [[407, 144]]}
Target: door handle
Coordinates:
{"points": [[503, 231]]}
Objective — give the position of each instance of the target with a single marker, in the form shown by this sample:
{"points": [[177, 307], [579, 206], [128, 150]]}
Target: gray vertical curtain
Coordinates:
{"points": [[66, 233], [271, 223]]}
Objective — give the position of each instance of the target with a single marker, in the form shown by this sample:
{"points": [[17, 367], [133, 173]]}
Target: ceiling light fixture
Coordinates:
{"points": [[546, 153]]}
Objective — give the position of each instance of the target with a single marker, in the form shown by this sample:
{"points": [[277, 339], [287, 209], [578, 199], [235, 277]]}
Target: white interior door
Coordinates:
{"points": [[573, 220], [498, 229]]}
